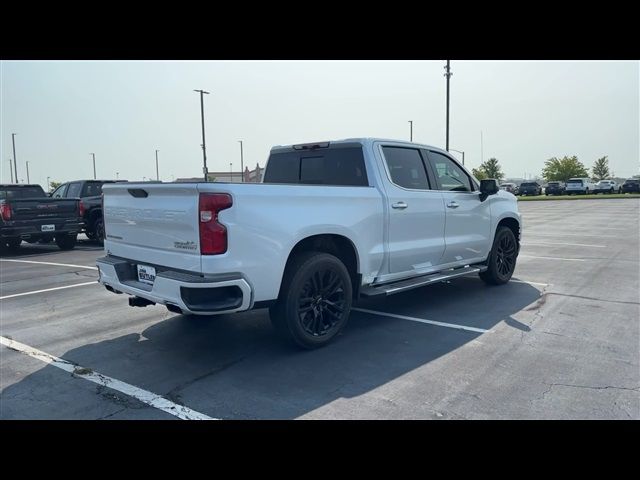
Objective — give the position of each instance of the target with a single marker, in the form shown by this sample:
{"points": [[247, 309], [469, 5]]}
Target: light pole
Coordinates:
{"points": [[241, 163], [157, 174], [11, 170], [411, 130], [453, 149], [28, 181], [48, 188], [231, 171], [15, 163], [94, 165], [117, 177], [448, 75], [204, 145]]}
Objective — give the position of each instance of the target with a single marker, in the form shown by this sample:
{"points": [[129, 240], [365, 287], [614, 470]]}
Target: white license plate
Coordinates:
{"points": [[146, 274], [48, 228]]}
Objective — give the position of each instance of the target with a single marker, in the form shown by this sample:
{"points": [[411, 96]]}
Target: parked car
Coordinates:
{"points": [[530, 188], [579, 185], [332, 222], [631, 185], [607, 186], [510, 187], [27, 213], [90, 194], [555, 188]]}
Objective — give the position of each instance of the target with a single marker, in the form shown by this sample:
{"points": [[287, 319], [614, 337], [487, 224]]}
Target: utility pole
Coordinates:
{"points": [[459, 151], [94, 165], [241, 163], [411, 130], [11, 170], [157, 171], [448, 75], [28, 181], [15, 163], [204, 145]]}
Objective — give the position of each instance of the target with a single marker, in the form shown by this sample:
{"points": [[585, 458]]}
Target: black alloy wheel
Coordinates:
{"points": [[321, 302]]}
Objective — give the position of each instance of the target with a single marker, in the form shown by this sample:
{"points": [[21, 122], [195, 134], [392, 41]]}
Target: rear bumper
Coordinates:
{"points": [[193, 294], [28, 230]]}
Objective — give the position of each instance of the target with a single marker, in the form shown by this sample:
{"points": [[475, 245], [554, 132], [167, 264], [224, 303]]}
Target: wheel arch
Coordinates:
{"points": [[337, 245]]}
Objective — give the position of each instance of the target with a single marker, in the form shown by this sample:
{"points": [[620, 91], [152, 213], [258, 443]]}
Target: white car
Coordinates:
{"points": [[579, 185], [331, 222], [607, 186]]}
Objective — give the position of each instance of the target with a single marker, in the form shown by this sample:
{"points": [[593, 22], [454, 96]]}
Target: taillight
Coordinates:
{"points": [[5, 211], [213, 235], [81, 208]]}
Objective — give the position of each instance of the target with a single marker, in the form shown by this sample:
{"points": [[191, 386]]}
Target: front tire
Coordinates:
{"points": [[66, 242], [315, 300], [502, 258]]}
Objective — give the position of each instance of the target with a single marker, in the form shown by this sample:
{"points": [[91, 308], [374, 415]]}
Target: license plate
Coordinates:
{"points": [[146, 274], [47, 228]]}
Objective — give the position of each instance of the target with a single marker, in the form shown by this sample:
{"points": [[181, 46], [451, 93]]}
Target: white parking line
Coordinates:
{"points": [[95, 282], [48, 263], [144, 396], [530, 283], [422, 320], [554, 258], [568, 244]]}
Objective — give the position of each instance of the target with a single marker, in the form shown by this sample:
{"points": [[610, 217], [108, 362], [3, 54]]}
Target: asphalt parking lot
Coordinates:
{"points": [[561, 341]]}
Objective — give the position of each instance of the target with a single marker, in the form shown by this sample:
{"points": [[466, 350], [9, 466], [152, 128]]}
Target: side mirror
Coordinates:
{"points": [[488, 187]]}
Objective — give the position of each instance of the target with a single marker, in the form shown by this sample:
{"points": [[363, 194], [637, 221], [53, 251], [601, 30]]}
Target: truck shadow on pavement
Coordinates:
{"points": [[235, 367]]}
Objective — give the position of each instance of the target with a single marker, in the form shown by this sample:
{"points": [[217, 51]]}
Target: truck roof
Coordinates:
{"points": [[360, 140]]}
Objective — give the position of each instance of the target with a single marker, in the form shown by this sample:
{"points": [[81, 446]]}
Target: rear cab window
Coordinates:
{"points": [[335, 165], [9, 193]]}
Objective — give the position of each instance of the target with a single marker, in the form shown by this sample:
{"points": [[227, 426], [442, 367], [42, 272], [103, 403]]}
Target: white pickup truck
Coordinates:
{"points": [[331, 222]]}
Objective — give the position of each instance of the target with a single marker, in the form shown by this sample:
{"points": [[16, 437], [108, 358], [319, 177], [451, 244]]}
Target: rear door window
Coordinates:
{"points": [[74, 190], [92, 189], [406, 167]]}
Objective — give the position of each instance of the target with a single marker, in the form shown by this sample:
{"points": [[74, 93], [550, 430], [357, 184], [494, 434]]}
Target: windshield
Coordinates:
{"points": [[529, 184], [8, 193], [554, 184], [575, 181], [632, 182]]}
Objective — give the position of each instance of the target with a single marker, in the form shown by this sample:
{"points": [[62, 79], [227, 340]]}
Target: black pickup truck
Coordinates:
{"points": [[27, 213], [90, 194]]}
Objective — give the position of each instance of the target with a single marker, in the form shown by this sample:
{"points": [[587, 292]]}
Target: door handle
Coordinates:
{"points": [[452, 205], [400, 205]]}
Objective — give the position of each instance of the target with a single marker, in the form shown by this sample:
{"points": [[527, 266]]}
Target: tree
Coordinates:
{"points": [[562, 169], [601, 169], [478, 173], [53, 186], [489, 169]]}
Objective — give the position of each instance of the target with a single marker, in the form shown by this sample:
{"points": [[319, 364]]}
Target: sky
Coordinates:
{"points": [[524, 111]]}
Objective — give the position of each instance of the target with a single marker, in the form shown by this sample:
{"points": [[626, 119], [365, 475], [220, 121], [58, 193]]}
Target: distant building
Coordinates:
{"points": [[250, 176]]}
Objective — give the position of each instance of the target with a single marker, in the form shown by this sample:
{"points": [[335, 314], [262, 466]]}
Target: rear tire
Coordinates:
{"points": [[66, 242], [502, 258], [98, 230], [315, 300]]}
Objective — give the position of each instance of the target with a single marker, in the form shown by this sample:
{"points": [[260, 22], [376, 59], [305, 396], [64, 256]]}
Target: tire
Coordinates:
{"points": [[98, 230], [502, 258], [304, 287], [66, 242], [13, 244]]}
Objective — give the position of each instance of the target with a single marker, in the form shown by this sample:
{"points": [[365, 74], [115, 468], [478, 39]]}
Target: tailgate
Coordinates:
{"points": [[155, 224], [43, 208]]}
